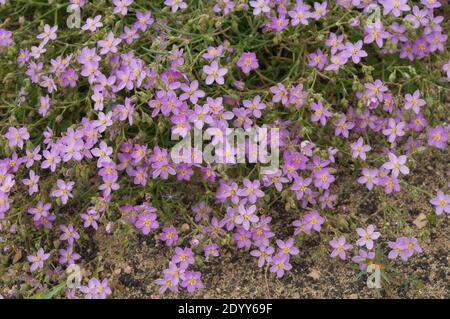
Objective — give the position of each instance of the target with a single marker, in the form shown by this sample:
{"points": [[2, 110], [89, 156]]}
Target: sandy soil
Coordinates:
{"points": [[235, 274]]}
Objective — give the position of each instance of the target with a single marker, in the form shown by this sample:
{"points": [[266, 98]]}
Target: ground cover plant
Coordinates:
{"points": [[345, 96]]}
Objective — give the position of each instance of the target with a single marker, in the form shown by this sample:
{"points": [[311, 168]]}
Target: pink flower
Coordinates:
{"points": [[355, 51], [280, 264], [109, 44], [395, 7], [214, 73], [248, 62], [438, 137], [32, 183], [313, 221], [121, 6], [367, 236], [414, 102], [176, 4], [37, 261], [260, 6], [394, 130], [16, 137], [396, 165], [339, 247], [359, 149], [246, 216], [441, 203], [369, 178], [64, 190], [92, 24], [48, 34]]}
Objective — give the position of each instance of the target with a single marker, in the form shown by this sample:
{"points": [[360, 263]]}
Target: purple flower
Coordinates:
{"points": [[264, 254], [214, 73], [64, 190], [143, 20], [68, 256], [343, 127], [320, 10], [16, 137], [192, 279], [418, 17], [129, 34], [211, 250], [92, 24], [390, 184], [242, 238], [96, 289], [167, 283], [169, 235], [275, 179], [191, 92], [339, 247], [248, 62], [255, 106], [376, 89], [414, 102], [4, 204], [287, 247], [32, 182], [441, 203], [176, 4], [251, 191], [375, 33], [201, 211], [317, 59], [355, 51], [5, 38], [404, 248], [394, 130], [109, 44], [280, 263], [369, 177], [335, 42], [278, 23], [48, 34], [367, 236], [337, 61], [121, 6], [260, 6], [183, 257], [76, 4], [280, 94], [212, 53], [246, 216], [364, 258], [69, 234], [300, 13], [323, 178], [320, 113], [313, 221], [396, 165], [37, 261], [147, 221], [418, 123], [359, 149], [395, 7], [438, 137], [431, 4]]}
